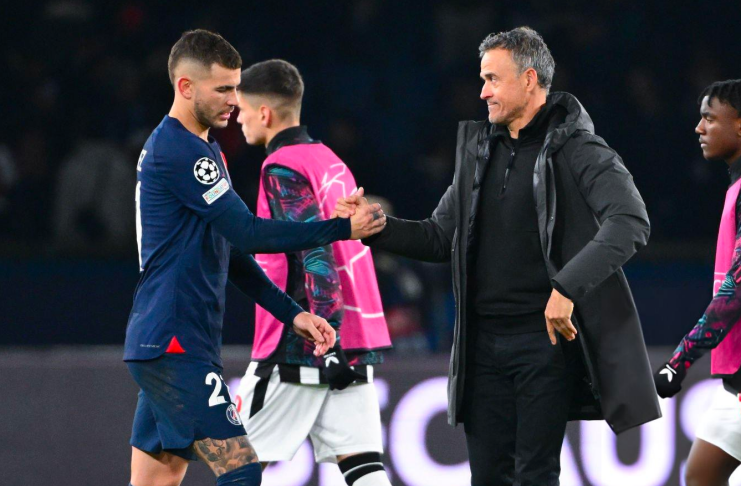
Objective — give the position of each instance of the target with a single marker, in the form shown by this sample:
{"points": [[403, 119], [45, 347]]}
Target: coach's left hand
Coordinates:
{"points": [[316, 330], [558, 317]]}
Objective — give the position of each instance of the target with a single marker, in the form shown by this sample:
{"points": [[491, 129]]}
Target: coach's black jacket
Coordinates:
{"points": [[591, 220]]}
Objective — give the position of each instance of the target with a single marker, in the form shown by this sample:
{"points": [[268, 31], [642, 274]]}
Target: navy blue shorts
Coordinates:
{"points": [[181, 400]]}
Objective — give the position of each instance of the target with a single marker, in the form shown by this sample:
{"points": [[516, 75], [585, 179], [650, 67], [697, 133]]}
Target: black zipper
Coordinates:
{"points": [[510, 164]]}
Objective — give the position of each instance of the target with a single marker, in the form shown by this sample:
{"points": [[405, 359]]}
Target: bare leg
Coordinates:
{"points": [[163, 469], [225, 455], [709, 465]]}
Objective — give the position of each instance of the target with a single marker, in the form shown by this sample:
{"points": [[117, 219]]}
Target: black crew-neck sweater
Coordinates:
{"points": [[512, 286]]}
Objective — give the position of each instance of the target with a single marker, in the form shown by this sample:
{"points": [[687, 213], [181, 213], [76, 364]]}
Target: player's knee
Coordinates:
{"points": [[159, 477], [159, 480], [692, 480], [364, 469], [696, 475], [162, 469]]}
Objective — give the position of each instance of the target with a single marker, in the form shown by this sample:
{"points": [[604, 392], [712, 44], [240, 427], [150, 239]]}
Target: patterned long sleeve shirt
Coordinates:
{"points": [[313, 280], [724, 310]]}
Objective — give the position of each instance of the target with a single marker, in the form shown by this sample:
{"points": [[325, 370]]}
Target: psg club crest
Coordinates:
{"points": [[232, 415], [206, 171]]}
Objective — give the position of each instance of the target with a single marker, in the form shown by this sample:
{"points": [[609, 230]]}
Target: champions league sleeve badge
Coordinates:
{"points": [[206, 171]]}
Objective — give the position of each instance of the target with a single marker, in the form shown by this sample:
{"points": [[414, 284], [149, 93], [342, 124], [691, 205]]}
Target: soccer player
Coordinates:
{"points": [[287, 393], [193, 231], [716, 452]]}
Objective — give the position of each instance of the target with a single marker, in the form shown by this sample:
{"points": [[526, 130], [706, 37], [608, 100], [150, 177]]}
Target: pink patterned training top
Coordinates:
{"points": [[302, 182], [717, 329]]}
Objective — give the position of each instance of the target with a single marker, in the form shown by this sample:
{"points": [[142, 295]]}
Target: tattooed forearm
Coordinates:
{"points": [[225, 455]]}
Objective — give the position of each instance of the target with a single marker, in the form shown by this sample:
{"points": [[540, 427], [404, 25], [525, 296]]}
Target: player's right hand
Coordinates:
{"points": [[668, 380], [368, 219], [316, 330], [346, 206]]}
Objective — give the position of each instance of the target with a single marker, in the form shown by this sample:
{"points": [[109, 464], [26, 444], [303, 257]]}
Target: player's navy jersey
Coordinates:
{"points": [[182, 185]]}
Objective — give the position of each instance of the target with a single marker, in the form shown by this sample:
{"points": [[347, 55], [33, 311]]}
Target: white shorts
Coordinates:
{"points": [[337, 421], [721, 425]]}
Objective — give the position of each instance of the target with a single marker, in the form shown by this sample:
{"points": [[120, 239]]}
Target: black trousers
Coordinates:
{"points": [[516, 400]]}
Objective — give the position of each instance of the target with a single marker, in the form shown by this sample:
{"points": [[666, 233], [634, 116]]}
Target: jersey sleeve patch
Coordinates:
{"points": [[206, 171], [216, 192]]}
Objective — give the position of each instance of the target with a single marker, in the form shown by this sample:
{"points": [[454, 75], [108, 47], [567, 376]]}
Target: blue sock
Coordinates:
{"points": [[247, 475]]}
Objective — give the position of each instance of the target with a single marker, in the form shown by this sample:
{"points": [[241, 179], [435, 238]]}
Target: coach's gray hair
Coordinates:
{"points": [[528, 51]]}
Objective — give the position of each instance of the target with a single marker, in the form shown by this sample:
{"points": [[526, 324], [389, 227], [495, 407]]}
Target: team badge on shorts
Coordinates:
{"points": [[206, 171], [232, 415]]}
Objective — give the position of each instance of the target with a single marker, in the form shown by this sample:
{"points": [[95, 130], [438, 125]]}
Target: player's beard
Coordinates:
{"points": [[204, 116]]}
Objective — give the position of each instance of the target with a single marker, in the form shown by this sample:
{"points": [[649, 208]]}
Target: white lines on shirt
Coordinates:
{"points": [[327, 184], [367, 316]]}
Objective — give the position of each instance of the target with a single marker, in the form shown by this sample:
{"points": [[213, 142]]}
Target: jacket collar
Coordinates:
{"points": [[535, 129], [566, 116], [290, 136], [576, 118]]}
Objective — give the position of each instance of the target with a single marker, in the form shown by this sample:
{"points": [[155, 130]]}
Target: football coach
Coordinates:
{"points": [[538, 221]]}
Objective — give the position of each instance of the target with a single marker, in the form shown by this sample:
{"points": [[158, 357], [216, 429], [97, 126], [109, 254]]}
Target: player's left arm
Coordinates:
{"points": [[247, 276], [715, 324], [719, 318], [291, 198]]}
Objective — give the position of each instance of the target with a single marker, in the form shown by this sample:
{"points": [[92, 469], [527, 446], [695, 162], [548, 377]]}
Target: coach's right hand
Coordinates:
{"points": [[366, 219], [316, 330], [558, 313]]}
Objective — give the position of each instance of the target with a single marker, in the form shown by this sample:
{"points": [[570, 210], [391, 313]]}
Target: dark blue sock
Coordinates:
{"points": [[247, 475]]}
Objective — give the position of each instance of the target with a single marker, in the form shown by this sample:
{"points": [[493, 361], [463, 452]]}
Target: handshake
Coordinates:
{"points": [[366, 219]]}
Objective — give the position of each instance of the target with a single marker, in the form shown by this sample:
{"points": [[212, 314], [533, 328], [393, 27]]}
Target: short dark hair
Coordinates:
{"points": [[528, 51], [728, 92], [275, 78], [204, 47]]}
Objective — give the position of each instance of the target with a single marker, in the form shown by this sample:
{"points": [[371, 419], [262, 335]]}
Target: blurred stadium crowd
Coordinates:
{"points": [[84, 83]]}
